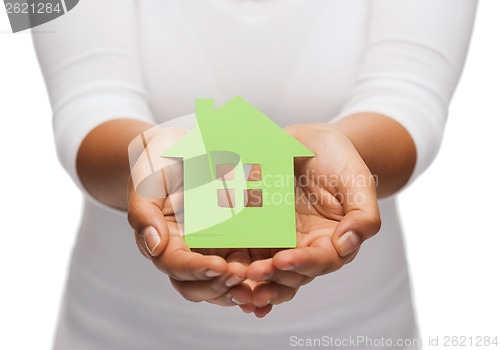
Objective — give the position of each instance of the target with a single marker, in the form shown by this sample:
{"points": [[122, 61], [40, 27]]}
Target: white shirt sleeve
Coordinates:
{"points": [[90, 61], [414, 57]]}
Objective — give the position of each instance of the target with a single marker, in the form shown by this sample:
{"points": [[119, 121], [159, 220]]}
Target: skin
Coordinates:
{"points": [[353, 148]]}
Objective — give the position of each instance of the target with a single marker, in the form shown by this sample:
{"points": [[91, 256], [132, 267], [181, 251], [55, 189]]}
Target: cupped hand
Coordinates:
{"points": [[154, 212], [336, 210]]}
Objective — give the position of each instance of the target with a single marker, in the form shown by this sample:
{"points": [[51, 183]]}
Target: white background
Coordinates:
{"points": [[450, 214]]}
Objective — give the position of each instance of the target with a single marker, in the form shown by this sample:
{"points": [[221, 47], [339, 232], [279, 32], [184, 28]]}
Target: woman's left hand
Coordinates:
{"points": [[336, 210]]}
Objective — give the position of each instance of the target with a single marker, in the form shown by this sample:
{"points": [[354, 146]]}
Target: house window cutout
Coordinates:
{"points": [[224, 172], [253, 172], [253, 198], [225, 198]]}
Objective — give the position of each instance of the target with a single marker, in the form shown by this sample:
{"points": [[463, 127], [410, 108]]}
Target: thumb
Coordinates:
{"points": [[150, 226], [362, 219], [354, 228]]}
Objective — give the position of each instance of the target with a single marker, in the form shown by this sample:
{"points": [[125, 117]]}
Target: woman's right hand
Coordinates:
{"points": [[212, 275]]}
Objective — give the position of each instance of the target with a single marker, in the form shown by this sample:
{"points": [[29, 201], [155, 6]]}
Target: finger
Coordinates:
{"points": [[246, 304], [240, 256], [265, 271], [362, 215], [139, 241], [354, 228], [146, 218], [272, 293], [173, 229], [263, 253], [213, 289], [248, 308], [261, 312], [180, 263], [318, 259], [240, 295], [261, 270], [197, 291], [351, 257], [290, 279], [237, 260]]}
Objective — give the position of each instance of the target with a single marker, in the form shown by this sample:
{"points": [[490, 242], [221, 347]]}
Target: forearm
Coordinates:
{"points": [[102, 160], [385, 146]]}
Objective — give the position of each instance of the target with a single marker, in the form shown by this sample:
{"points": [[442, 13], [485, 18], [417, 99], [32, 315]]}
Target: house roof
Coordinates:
{"points": [[238, 127]]}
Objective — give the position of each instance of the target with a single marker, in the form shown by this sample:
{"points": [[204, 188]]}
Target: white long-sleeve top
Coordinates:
{"points": [[298, 61]]}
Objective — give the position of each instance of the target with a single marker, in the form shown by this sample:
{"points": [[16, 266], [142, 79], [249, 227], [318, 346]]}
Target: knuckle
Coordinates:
{"points": [[368, 224]]}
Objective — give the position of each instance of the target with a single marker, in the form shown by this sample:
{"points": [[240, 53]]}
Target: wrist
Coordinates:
{"points": [[103, 162], [385, 146]]}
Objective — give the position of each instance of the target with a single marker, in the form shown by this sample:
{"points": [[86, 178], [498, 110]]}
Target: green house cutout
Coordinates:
{"points": [[238, 178]]}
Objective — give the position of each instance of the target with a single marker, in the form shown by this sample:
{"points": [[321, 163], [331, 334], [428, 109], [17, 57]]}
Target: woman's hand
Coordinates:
{"points": [[205, 275], [336, 210], [326, 210]]}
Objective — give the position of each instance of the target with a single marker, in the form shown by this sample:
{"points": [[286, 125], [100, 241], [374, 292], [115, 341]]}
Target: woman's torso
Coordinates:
{"points": [[294, 60]]}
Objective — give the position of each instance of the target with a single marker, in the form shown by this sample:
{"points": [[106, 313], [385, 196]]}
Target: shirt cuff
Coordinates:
{"points": [[73, 122]]}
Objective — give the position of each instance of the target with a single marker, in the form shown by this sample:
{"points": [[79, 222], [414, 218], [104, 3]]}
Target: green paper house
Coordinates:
{"points": [[238, 178]]}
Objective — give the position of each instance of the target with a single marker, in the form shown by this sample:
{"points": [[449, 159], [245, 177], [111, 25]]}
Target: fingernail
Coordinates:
{"points": [[232, 281], [151, 238], [348, 243], [288, 267], [236, 301], [212, 273]]}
